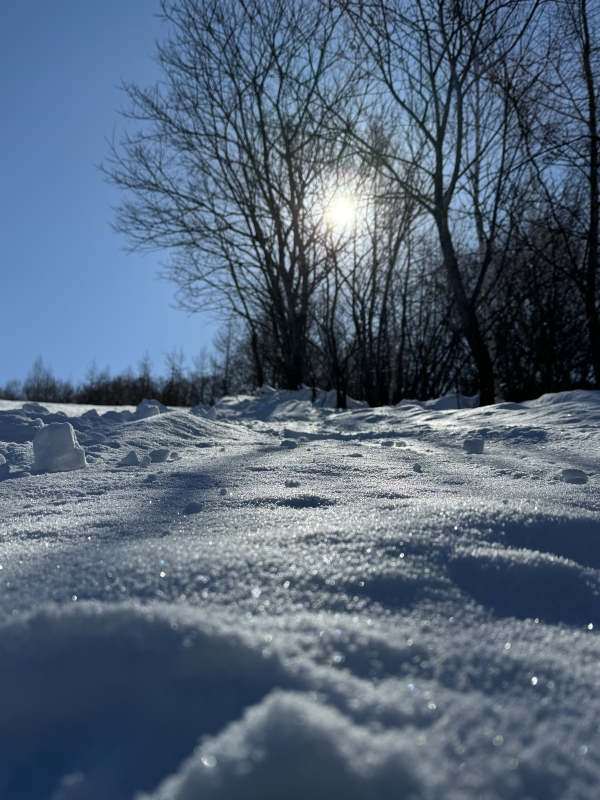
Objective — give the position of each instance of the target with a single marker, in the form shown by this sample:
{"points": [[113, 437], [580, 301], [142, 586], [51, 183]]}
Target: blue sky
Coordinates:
{"points": [[68, 291]]}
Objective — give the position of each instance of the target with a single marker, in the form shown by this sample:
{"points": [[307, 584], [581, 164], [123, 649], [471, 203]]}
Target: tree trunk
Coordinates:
{"points": [[591, 271], [467, 315]]}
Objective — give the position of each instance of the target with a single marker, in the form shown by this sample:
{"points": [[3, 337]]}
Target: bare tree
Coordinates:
{"points": [[563, 142], [441, 70], [229, 164]]}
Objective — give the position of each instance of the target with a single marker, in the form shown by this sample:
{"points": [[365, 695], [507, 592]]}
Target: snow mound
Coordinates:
{"points": [[56, 449], [449, 402], [588, 396], [289, 741], [149, 408], [34, 408], [204, 410], [282, 404], [130, 460], [15, 426], [101, 703], [160, 455]]}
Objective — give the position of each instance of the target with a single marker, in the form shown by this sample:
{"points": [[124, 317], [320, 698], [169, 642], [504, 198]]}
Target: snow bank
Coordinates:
{"points": [[449, 402], [280, 404], [576, 396], [18, 427]]}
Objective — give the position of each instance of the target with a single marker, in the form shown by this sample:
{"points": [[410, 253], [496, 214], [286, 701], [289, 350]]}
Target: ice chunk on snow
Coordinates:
{"points": [[417, 468], [130, 460], [292, 484], [160, 455], [473, 446], [289, 443], [204, 410], [56, 449], [574, 476]]}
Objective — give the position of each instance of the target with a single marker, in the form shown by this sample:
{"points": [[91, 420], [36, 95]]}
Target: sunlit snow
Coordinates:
{"points": [[277, 599]]}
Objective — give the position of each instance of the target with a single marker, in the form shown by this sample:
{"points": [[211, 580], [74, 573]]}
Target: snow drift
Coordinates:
{"points": [[249, 619]]}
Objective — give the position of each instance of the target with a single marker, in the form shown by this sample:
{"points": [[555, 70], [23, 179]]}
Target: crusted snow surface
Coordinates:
{"points": [[257, 621]]}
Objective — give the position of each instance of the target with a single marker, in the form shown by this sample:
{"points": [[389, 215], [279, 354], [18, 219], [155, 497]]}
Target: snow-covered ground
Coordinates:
{"points": [[301, 603]]}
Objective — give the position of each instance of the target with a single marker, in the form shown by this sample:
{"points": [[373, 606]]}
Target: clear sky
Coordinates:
{"points": [[68, 291]]}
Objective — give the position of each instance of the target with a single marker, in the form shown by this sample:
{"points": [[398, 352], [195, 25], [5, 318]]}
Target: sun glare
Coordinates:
{"points": [[340, 212]]}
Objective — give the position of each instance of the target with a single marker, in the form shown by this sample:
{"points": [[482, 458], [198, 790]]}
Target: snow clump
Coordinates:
{"points": [[145, 410], [192, 508], [473, 446], [204, 410], [160, 455], [130, 460], [56, 449]]}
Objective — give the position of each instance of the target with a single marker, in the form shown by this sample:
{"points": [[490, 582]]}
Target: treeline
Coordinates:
{"points": [[395, 199], [204, 382]]}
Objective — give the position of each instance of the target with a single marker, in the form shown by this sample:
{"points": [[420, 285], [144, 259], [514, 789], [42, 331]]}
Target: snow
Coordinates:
{"points": [[56, 449], [160, 455], [204, 410], [130, 460], [574, 476], [473, 446], [257, 621]]}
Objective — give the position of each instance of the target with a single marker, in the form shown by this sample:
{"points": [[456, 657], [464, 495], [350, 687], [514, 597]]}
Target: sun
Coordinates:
{"points": [[340, 212]]}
